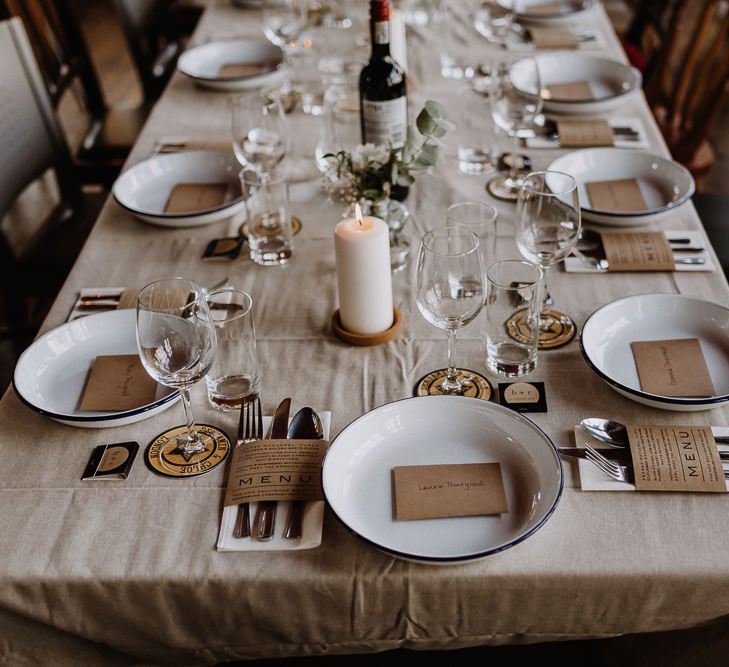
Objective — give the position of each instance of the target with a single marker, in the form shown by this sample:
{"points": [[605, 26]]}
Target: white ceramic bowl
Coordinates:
{"points": [[665, 184], [202, 64], [609, 331], [567, 9], [50, 375], [609, 80], [145, 187], [357, 471]]}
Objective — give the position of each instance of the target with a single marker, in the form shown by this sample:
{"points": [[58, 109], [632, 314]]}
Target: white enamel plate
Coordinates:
{"points": [[430, 430], [609, 331], [51, 374], [529, 10]]}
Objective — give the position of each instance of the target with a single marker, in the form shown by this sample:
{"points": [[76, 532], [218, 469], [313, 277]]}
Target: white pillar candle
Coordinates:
{"points": [[364, 282], [398, 44]]}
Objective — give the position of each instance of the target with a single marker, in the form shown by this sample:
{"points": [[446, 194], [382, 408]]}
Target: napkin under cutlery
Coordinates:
{"points": [[593, 479], [573, 264], [311, 527], [619, 141]]}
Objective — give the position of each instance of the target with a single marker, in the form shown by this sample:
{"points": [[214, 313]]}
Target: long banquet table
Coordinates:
{"points": [[127, 572]]}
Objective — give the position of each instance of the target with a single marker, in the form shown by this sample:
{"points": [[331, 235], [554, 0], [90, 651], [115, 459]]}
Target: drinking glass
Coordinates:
{"points": [[449, 291], [474, 138], [516, 100], [513, 300], [269, 231], [496, 21], [479, 218], [234, 374], [176, 342], [547, 229], [259, 136]]}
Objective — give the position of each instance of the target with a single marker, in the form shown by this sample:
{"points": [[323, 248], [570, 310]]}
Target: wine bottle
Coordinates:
{"points": [[383, 98]]}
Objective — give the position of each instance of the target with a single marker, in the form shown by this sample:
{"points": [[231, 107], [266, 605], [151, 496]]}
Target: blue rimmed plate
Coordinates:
{"points": [[50, 375], [432, 430]]}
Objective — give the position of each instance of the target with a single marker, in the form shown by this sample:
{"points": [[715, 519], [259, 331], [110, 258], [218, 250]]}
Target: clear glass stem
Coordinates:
{"points": [[193, 444], [513, 176], [545, 318], [451, 383]]}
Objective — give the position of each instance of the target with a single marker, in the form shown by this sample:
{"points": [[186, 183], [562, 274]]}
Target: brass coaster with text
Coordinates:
{"points": [[295, 227], [474, 384], [561, 332], [164, 454]]}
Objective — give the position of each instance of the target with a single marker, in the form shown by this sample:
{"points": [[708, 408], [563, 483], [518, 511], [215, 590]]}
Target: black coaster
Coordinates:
{"points": [[475, 385], [225, 248], [295, 227], [561, 332], [523, 162], [163, 454], [523, 396], [496, 188]]}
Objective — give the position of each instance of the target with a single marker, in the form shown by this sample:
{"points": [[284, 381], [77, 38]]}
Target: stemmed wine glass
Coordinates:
{"points": [[449, 295], [547, 228], [516, 100], [283, 21], [176, 341], [259, 132]]}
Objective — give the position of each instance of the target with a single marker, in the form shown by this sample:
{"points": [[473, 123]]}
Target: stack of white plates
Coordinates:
{"points": [[664, 184], [609, 331], [202, 64], [145, 188], [51, 374], [357, 475]]}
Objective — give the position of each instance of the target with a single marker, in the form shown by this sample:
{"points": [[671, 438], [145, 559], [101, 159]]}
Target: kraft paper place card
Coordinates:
{"points": [[619, 195], [672, 367], [117, 382], [242, 70], [191, 197], [580, 132], [638, 251], [553, 38], [573, 90], [276, 470], [438, 491], [544, 8], [675, 458]]}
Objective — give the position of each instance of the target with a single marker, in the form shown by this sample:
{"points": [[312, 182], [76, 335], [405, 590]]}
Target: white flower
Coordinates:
{"points": [[369, 154]]}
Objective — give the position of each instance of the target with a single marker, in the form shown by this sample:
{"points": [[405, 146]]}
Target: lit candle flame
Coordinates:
{"points": [[358, 214]]}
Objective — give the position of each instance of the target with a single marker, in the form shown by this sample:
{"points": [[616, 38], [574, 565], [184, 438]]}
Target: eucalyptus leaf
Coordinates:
{"points": [[425, 122], [436, 110]]}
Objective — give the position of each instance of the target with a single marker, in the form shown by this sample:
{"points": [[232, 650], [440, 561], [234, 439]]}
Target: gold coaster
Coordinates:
{"points": [[295, 227], [474, 384], [561, 332], [163, 456]]}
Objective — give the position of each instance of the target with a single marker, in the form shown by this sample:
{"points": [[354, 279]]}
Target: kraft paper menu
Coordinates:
{"points": [[675, 458], [574, 90], [241, 70], [544, 8], [637, 251], [579, 132], [437, 491], [553, 38]]}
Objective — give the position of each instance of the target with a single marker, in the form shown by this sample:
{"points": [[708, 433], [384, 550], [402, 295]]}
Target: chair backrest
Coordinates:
{"points": [[31, 141], [691, 79]]}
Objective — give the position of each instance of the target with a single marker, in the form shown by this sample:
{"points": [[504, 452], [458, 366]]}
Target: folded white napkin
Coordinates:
{"points": [[618, 141], [312, 519], [574, 264], [593, 479]]}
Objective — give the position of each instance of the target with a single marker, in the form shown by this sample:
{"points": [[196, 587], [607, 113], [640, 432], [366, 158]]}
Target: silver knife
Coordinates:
{"points": [[622, 455], [265, 520]]}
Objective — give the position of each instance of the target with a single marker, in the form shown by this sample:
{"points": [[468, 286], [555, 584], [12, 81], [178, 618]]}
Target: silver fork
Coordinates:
{"points": [[621, 472], [250, 428]]}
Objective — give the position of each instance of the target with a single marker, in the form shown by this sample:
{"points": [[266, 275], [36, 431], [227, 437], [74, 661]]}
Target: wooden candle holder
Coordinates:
{"points": [[367, 340]]}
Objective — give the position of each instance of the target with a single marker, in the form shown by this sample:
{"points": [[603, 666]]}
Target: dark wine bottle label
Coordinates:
{"points": [[385, 122]]}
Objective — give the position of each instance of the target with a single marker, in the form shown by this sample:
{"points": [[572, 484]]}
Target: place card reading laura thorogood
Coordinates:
{"points": [[622, 194], [573, 90], [449, 490], [580, 132], [276, 470], [637, 251], [672, 367], [675, 458], [192, 197], [117, 382]]}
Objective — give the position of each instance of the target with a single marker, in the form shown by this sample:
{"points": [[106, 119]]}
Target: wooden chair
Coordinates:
{"points": [[155, 31], [31, 144], [690, 81], [66, 65]]}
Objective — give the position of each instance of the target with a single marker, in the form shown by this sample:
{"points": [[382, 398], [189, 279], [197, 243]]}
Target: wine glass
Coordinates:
{"points": [[516, 100], [176, 341], [283, 21], [547, 229], [496, 21], [449, 295], [259, 132]]}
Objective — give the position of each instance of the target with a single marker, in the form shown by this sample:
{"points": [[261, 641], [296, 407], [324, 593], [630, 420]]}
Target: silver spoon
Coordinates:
{"points": [[616, 434]]}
